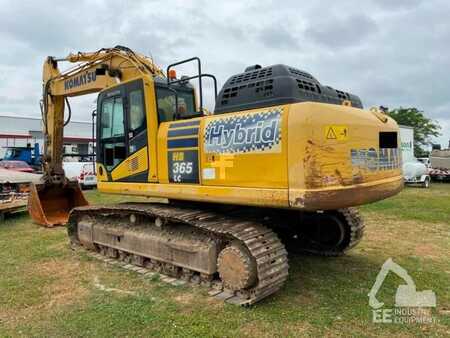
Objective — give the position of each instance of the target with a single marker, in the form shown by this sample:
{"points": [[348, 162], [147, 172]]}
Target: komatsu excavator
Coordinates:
{"points": [[278, 166]]}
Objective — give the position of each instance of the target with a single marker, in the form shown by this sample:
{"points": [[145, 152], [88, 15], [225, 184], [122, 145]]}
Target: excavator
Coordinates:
{"points": [[279, 165]]}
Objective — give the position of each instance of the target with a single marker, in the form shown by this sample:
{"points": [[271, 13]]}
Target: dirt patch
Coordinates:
{"points": [[256, 329], [63, 288], [381, 231], [427, 250], [444, 312], [298, 329], [192, 298], [185, 298], [266, 329], [105, 288]]}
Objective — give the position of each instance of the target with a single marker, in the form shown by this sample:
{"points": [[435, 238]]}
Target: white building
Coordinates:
{"points": [[407, 143], [18, 131]]}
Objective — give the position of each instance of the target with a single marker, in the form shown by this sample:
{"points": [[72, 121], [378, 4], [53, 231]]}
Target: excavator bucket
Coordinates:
{"points": [[50, 205]]}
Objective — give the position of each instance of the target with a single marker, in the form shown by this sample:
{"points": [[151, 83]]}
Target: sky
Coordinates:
{"points": [[394, 53]]}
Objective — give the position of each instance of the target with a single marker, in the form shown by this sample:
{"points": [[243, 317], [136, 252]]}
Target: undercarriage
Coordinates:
{"points": [[234, 249]]}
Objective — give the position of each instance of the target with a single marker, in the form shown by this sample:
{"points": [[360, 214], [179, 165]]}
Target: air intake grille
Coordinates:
{"points": [[300, 73], [342, 95], [249, 76], [307, 86], [133, 165], [275, 85], [262, 88]]}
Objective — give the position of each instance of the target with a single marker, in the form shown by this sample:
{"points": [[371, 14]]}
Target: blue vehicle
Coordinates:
{"points": [[28, 154]]}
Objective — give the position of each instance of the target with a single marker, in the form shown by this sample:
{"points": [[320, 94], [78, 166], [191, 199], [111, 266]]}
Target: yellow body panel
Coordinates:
{"points": [[318, 163], [258, 168], [302, 165], [152, 129], [277, 198], [102, 176], [134, 164]]}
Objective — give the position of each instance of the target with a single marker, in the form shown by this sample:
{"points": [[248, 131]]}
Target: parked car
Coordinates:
{"points": [[440, 165], [425, 160], [83, 172], [16, 166], [30, 155]]}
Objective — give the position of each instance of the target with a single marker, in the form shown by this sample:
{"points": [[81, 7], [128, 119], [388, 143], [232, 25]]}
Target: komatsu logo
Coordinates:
{"points": [[80, 80], [256, 132]]}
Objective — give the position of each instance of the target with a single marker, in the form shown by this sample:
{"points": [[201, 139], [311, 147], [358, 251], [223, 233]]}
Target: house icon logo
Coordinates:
{"points": [[408, 301]]}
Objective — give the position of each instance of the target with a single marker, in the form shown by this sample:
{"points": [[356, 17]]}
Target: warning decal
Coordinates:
{"points": [[336, 132]]}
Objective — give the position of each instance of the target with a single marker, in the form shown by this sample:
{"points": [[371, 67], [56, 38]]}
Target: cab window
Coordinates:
{"points": [[137, 115], [112, 141], [112, 118], [166, 103]]}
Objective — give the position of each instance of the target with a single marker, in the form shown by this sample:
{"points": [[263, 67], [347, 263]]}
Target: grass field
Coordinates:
{"points": [[48, 290]]}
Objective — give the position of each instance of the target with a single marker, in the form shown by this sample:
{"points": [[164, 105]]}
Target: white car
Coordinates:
{"points": [[83, 172], [425, 160]]}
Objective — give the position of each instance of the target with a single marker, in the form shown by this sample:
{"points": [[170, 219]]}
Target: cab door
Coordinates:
{"points": [[111, 142], [122, 133]]}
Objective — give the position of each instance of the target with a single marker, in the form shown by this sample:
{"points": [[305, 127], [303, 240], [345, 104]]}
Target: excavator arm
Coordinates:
{"points": [[51, 201]]}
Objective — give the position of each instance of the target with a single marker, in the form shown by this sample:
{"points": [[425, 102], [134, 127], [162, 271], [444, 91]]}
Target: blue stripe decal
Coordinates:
{"points": [[183, 132], [184, 124], [182, 143]]}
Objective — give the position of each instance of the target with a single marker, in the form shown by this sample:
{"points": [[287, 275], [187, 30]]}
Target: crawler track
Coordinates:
{"points": [[353, 227], [266, 251]]}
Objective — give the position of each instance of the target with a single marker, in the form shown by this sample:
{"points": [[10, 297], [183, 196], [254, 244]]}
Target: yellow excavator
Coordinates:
{"points": [[278, 166]]}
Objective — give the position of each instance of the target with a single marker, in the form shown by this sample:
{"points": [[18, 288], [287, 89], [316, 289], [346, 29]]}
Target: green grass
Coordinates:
{"points": [[428, 205], [49, 290]]}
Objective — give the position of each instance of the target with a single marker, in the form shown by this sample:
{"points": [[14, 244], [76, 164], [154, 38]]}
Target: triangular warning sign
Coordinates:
{"points": [[331, 134]]}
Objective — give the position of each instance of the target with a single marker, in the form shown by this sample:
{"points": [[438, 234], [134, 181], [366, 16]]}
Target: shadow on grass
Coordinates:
{"points": [[13, 218]]}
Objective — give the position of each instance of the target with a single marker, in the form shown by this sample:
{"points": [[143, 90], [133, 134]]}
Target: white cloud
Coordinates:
{"points": [[393, 53]]}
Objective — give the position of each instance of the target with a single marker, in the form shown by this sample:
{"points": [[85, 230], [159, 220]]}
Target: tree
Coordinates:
{"points": [[424, 128]]}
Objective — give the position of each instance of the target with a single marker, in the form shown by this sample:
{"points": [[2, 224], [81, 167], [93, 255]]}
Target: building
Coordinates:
{"points": [[407, 143], [18, 131]]}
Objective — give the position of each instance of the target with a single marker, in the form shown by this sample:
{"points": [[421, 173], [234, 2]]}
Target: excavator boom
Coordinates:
{"points": [[51, 201]]}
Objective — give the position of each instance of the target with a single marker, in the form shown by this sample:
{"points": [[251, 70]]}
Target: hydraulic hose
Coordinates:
{"points": [[70, 112]]}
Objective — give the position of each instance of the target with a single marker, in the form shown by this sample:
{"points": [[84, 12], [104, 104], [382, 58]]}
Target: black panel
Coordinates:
{"points": [[183, 166], [275, 85], [388, 139], [141, 177], [183, 132], [138, 142], [184, 124], [182, 143]]}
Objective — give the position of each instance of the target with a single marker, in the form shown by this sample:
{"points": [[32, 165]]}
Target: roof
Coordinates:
{"points": [[35, 117], [27, 136], [23, 126]]}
